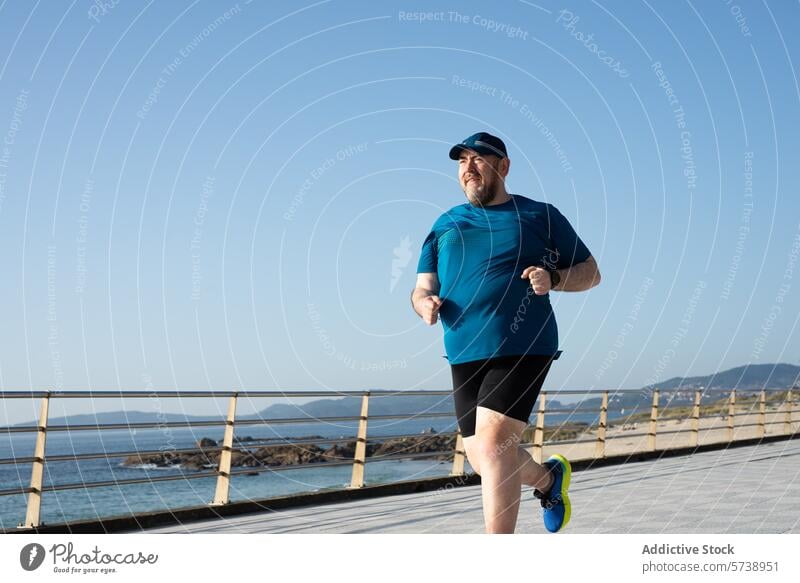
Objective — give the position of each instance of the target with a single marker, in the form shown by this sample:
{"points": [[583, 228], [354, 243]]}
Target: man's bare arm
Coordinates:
{"points": [[425, 299], [579, 277]]}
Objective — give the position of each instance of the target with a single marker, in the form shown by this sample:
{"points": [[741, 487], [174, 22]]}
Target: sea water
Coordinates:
{"points": [[117, 500]]}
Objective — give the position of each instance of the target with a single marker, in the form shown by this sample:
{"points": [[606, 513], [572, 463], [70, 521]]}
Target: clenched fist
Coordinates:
{"points": [[428, 309], [539, 278]]}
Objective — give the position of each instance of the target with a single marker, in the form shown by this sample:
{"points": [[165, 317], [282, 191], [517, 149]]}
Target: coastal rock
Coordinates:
{"points": [[291, 455], [341, 452], [413, 445]]}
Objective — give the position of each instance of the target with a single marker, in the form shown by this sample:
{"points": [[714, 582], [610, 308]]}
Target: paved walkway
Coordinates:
{"points": [[739, 490]]}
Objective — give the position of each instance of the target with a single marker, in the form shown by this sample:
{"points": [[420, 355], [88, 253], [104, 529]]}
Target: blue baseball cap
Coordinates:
{"points": [[482, 143]]}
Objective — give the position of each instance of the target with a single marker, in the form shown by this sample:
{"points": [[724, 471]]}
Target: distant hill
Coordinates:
{"points": [[748, 378], [745, 379]]}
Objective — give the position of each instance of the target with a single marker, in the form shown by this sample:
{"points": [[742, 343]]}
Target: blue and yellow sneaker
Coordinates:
{"points": [[555, 503]]}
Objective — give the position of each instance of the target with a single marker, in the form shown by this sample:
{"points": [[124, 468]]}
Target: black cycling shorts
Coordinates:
{"points": [[506, 384]]}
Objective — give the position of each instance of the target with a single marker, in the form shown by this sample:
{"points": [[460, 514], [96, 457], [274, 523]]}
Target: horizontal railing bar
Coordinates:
{"points": [[671, 431], [270, 442], [411, 416], [300, 420], [412, 392], [767, 413], [176, 424], [626, 435], [19, 429], [739, 414], [618, 420], [241, 422], [117, 394], [395, 456], [116, 426], [14, 491], [108, 455], [294, 420], [107, 483], [583, 410], [331, 394], [409, 435], [588, 440], [592, 392], [261, 469], [218, 394], [568, 441], [613, 392]]}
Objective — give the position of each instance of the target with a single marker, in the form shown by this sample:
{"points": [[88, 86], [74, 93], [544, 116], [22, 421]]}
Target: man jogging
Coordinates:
{"points": [[486, 269]]}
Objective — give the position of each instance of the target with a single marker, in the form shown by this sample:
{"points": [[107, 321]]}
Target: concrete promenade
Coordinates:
{"points": [[752, 489]]}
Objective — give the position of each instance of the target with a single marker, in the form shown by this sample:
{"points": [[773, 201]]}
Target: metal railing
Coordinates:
{"points": [[223, 471]]}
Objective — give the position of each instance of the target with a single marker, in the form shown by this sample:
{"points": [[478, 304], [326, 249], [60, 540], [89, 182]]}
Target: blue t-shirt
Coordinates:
{"points": [[479, 254]]}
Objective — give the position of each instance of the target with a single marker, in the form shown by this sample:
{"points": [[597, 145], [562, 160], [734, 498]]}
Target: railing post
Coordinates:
{"points": [[360, 458], [32, 514], [787, 421], [600, 446], [651, 434], [695, 420], [222, 494], [458, 457], [538, 432], [762, 413], [731, 413]]}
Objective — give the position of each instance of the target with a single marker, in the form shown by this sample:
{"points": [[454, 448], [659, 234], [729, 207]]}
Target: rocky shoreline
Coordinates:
{"points": [[281, 454]]}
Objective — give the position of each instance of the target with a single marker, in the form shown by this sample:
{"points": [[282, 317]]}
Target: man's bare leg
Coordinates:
{"points": [[495, 454], [533, 474]]}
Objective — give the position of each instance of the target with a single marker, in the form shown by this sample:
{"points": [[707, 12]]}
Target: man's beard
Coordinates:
{"points": [[480, 193]]}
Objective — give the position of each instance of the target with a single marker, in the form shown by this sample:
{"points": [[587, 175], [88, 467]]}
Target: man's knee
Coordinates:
{"points": [[488, 449], [496, 439], [495, 447]]}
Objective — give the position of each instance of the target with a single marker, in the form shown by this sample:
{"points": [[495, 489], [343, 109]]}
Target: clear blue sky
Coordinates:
{"points": [[224, 195]]}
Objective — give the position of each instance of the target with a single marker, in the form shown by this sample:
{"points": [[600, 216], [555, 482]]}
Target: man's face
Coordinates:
{"points": [[480, 176]]}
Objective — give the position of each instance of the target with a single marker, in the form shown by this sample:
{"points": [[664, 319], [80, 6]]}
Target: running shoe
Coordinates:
{"points": [[555, 504]]}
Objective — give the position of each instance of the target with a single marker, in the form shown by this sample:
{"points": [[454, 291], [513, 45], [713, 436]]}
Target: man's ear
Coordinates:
{"points": [[505, 166]]}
